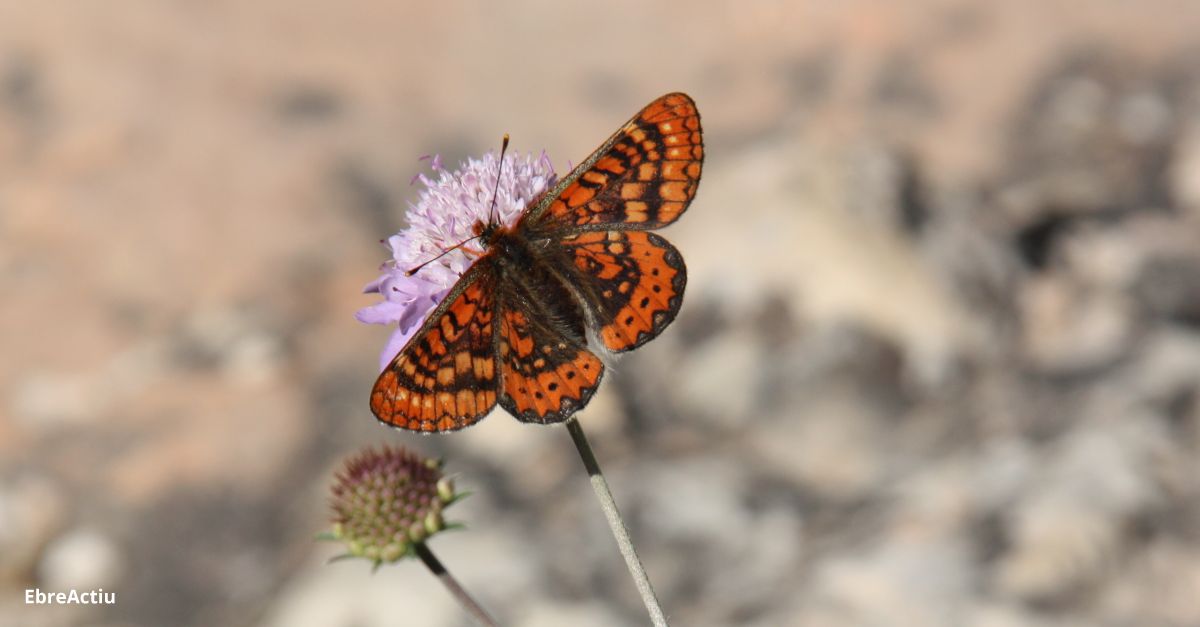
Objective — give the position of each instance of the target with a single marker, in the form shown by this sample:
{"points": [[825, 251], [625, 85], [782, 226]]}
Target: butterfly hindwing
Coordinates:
{"points": [[547, 373], [446, 378], [633, 282], [642, 178]]}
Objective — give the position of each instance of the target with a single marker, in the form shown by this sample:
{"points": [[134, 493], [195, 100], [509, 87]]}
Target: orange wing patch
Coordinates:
{"points": [[643, 177], [636, 282], [445, 378], [545, 377]]}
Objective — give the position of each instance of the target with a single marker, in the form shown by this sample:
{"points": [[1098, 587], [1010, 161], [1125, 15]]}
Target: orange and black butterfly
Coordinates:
{"points": [[514, 329]]}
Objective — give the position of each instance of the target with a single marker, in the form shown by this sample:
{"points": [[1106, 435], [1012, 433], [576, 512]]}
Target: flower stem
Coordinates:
{"points": [[464, 599], [616, 524]]}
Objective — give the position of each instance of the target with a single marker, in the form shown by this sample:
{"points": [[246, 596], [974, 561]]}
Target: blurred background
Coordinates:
{"points": [[937, 364]]}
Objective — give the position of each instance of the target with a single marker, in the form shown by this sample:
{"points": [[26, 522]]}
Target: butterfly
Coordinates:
{"points": [[581, 261]]}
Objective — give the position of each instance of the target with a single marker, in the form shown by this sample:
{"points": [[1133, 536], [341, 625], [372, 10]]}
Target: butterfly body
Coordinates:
{"points": [[514, 330]]}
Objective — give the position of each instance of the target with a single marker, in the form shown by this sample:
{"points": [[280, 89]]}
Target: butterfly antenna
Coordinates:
{"points": [[500, 169], [414, 270], [491, 214]]}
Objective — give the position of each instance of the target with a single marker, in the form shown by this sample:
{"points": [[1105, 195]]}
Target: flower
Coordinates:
{"points": [[386, 501], [444, 215]]}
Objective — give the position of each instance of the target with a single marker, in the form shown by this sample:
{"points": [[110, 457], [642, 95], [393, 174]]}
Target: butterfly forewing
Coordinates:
{"points": [[642, 178], [445, 378]]}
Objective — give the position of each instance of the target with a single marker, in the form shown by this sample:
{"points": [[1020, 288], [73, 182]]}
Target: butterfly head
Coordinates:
{"points": [[486, 232]]}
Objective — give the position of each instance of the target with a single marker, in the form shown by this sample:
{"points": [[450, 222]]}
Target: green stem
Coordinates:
{"points": [[616, 524], [460, 594]]}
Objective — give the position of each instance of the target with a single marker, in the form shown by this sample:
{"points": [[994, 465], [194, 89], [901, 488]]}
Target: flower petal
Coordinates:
{"points": [[445, 214], [395, 342], [386, 312]]}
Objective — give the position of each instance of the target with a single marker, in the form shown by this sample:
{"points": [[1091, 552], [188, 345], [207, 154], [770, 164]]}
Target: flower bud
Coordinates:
{"points": [[386, 500]]}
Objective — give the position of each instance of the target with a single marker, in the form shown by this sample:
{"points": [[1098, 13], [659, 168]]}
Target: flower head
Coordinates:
{"points": [[386, 501], [444, 215]]}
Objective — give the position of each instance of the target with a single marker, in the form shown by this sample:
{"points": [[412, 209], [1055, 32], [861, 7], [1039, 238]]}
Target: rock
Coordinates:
{"points": [[1159, 587], [1093, 129], [832, 444], [1059, 546], [989, 614], [1002, 470], [895, 582], [1184, 174], [348, 594], [1170, 288], [1144, 116], [253, 359], [32, 510], [233, 342], [699, 500], [1068, 328], [83, 559], [51, 400], [1102, 257], [1164, 367], [721, 381], [1067, 530], [583, 614]]}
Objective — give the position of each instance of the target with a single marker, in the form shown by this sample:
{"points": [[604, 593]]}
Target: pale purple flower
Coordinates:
{"points": [[444, 215]]}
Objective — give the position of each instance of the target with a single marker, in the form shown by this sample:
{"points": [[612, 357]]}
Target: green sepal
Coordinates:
{"points": [[458, 496], [341, 558]]}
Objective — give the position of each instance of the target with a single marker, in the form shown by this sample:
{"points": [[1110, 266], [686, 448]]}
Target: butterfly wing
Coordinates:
{"points": [[642, 178], [547, 372], [634, 283], [445, 378]]}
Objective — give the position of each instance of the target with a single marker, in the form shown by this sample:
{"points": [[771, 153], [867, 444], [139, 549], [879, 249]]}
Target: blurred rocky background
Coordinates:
{"points": [[938, 362]]}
